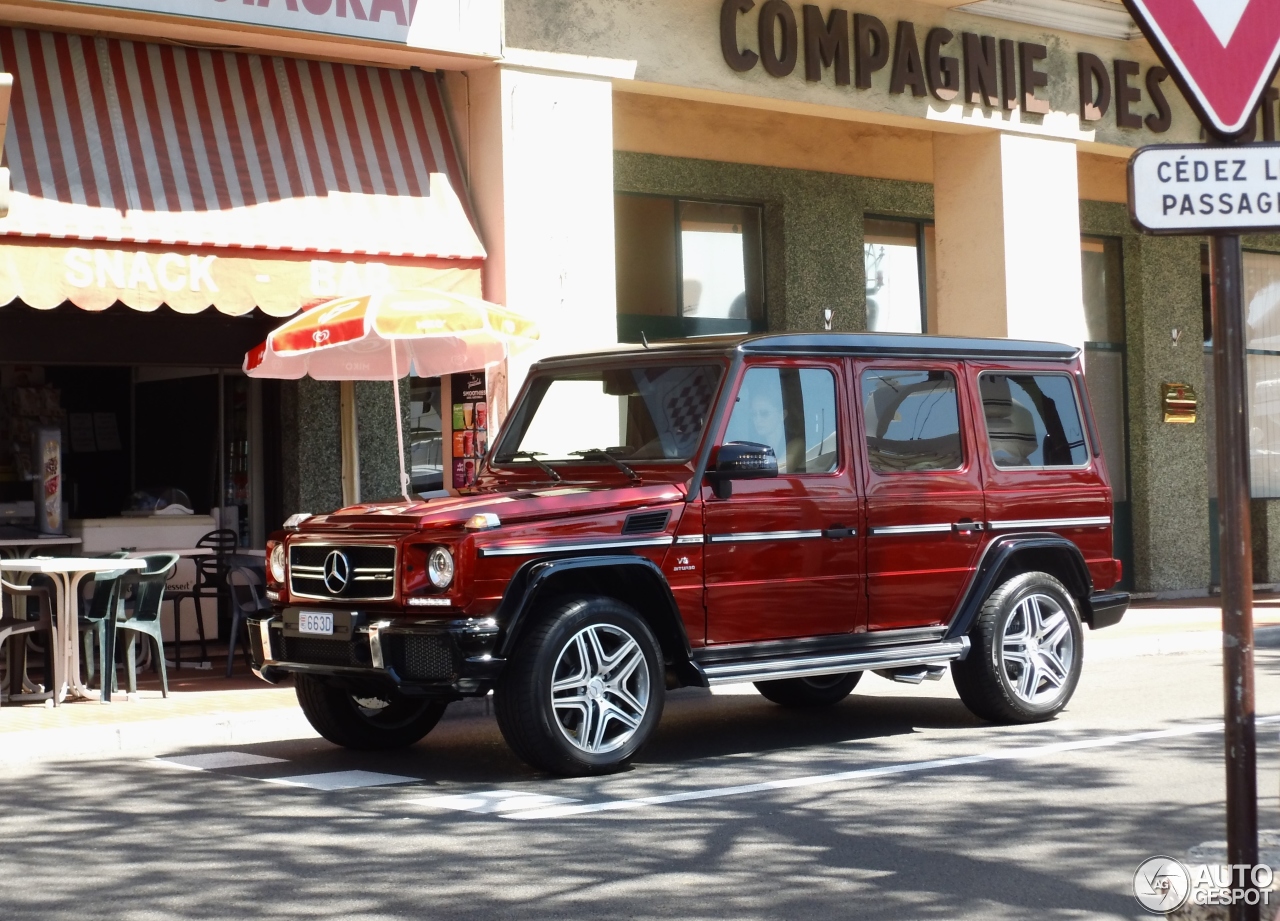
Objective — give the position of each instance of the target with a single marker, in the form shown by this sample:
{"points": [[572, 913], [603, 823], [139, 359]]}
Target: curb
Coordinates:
{"points": [[154, 736], [1100, 648]]}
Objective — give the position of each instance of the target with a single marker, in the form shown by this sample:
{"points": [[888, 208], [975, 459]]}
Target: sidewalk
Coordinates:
{"points": [[204, 708]]}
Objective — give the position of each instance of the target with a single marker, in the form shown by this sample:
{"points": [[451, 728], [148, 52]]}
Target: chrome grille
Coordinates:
{"points": [[370, 572]]}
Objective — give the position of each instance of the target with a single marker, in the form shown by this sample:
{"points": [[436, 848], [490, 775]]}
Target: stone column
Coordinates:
{"points": [[1007, 212], [540, 148]]}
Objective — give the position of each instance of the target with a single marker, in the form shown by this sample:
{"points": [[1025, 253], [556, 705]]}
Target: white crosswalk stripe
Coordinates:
{"points": [[490, 801], [212, 761], [342, 780]]}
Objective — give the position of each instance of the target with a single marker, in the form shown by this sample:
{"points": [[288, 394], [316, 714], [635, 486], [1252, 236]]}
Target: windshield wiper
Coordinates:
{"points": [[596, 452], [534, 457]]}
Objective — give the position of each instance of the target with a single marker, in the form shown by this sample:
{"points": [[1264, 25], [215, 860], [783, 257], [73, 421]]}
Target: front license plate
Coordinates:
{"points": [[311, 622]]}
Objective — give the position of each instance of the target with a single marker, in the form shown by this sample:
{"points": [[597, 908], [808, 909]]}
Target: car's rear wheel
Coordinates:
{"points": [[1027, 651], [584, 691], [368, 720], [821, 691]]}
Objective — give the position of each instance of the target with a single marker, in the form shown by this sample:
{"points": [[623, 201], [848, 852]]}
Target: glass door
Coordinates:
{"points": [[1106, 378]]}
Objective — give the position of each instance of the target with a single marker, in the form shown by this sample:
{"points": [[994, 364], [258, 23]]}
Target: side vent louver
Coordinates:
{"points": [[646, 522]]}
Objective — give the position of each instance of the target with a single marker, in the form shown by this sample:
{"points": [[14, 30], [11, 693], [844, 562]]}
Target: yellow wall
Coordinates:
{"points": [[675, 127]]}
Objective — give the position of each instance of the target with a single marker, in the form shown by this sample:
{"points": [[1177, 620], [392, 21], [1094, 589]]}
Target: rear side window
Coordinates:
{"points": [[793, 411], [1033, 420], [913, 421]]}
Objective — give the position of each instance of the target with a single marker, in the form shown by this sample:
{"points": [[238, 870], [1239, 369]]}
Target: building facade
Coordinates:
{"points": [[658, 167]]}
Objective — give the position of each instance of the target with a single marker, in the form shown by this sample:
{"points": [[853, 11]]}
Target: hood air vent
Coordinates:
{"points": [[646, 522]]}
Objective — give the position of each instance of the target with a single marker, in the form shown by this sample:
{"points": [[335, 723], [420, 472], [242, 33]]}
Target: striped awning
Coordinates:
{"points": [[159, 149]]}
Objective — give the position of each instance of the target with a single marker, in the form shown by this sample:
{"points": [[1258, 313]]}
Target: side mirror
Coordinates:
{"points": [[741, 460]]}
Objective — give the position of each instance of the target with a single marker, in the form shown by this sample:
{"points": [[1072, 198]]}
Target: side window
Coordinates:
{"points": [[793, 411], [1033, 420], [913, 421]]}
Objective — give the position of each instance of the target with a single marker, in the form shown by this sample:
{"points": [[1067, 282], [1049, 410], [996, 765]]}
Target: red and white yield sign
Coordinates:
{"points": [[1223, 53]]}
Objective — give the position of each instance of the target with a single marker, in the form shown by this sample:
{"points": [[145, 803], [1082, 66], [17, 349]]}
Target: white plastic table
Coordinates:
{"points": [[67, 574], [22, 547]]}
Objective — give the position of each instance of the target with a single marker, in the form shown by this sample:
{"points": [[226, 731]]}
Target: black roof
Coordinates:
{"points": [[886, 345]]}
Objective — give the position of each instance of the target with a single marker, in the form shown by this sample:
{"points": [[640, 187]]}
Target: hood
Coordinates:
{"points": [[521, 506]]}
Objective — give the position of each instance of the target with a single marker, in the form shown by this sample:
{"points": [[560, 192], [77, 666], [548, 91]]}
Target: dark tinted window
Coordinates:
{"points": [[1033, 420], [912, 420], [793, 411]]}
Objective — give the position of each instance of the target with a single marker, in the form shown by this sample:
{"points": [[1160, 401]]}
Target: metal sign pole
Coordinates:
{"points": [[1231, 410]]}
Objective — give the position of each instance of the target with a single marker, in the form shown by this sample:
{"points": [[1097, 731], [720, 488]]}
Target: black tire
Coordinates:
{"points": [[561, 740], [822, 691], [337, 714], [992, 680]]}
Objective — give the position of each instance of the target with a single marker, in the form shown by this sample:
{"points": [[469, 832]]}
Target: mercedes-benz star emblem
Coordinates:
{"points": [[337, 572]]}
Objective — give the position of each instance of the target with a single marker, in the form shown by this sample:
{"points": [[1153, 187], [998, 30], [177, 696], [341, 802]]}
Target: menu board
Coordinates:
{"points": [[470, 426]]}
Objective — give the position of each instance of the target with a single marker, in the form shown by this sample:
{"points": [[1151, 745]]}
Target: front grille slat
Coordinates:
{"points": [[370, 573]]}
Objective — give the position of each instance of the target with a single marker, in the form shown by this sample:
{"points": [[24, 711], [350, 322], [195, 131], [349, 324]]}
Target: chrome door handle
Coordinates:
{"points": [[967, 524]]}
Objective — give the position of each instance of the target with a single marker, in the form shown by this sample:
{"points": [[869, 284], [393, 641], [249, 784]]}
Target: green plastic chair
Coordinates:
{"points": [[104, 601], [148, 596]]}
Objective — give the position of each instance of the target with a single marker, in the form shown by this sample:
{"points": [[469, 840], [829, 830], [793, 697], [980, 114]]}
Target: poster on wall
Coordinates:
{"points": [[470, 426], [48, 484]]}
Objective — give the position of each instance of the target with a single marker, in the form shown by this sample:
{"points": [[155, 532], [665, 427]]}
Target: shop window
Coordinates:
{"points": [[792, 411], [1262, 341], [1033, 420], [426, 435], [687, 268], [899, 260], [913, 421]]}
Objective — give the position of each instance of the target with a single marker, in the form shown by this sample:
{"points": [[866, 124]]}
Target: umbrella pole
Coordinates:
{"points": [[395, 389]]}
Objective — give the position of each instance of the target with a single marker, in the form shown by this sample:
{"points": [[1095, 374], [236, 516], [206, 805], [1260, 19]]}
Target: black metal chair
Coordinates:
{"points": [[210, 583], [15, 629]]}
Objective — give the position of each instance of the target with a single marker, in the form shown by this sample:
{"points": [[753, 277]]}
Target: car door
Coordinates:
{"points": [[782, 557], [1041, 474], [924, 499]]}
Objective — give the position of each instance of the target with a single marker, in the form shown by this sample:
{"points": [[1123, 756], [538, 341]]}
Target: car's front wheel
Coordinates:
{"points": [[1026, 655], [822, 691], [368, 720], [584, 691]]}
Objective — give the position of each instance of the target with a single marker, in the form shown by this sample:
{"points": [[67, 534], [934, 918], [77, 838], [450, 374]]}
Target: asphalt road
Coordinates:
{"points": [[894, 804]]}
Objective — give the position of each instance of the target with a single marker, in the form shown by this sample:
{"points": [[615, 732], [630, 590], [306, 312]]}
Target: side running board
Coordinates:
{"points": [[924, 654]]}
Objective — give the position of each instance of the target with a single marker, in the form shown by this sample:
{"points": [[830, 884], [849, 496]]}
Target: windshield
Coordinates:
{"points": [[655, 413]]}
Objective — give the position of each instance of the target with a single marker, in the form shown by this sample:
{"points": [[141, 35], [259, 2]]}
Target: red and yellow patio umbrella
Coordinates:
{"points": [[378, 337]]}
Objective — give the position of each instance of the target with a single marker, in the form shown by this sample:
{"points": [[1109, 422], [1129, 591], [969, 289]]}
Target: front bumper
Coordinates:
{"points": [[449, 659]]}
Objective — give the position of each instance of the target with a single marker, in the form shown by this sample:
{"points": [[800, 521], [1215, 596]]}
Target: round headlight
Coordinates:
{"points": [[276, 562], [440, 567]]}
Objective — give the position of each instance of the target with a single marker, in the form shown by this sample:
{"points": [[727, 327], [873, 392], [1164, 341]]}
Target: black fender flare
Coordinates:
{"points": [[992, 565], [532, 578]]}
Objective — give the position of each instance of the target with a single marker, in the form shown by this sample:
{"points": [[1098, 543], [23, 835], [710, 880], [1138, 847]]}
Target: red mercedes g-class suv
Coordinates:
{"points": [[791, 510]]}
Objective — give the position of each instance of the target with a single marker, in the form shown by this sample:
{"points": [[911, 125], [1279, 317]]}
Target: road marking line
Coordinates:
{"points": [[489, 801], [212, 761], [1026, 753], [341, 780]]}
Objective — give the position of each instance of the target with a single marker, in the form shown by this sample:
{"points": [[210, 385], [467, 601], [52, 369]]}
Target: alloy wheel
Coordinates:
{"points": [[600, 688], [1037, 650]]}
